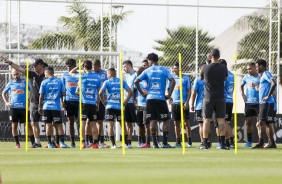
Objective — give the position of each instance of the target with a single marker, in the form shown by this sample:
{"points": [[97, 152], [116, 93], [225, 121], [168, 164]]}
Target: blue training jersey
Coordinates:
{"points": [[229, 88], [141, 101], [70, 83], [91, 84], [103, 77], [156, 78], [198, 86], [130, 78], [52, 89], [186, 85], [112, 86], [251, 88], [18, 93], [264, 87]]}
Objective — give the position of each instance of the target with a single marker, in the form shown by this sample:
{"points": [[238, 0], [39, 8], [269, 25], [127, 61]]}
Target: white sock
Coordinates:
{"points": [[37, 141]]}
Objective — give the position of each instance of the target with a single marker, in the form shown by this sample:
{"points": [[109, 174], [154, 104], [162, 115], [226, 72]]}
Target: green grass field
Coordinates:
{"points": [[139, 166]]}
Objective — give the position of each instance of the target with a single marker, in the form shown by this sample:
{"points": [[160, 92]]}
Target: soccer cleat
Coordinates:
{"points": [[38, 145], [209, 144], [51, 146], [248, 145], [259, 145], [224, 148], [232, 146], [103, 145], [203, 147], [178, 145], [56, 145], [18, 146], [114, 147], [139, 145], [95, 146], [219, 145], [90, 145], [189, 145], [83, 145], [63, 145], [273, 145], [156, 146], [200, 145], [145, 145], [167, 146], [128, 146], [72, 146]]}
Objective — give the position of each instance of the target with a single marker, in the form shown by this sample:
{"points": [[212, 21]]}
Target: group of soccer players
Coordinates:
{"points": [[147, 95]]}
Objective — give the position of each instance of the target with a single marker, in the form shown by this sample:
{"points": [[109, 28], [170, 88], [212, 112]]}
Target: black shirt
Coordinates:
{"points": [[35, 82], [214, 75]]}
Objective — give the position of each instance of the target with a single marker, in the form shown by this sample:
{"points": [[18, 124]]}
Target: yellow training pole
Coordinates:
{"points": [[26, 105], [80, 106], [235, 105], [121, 103], [181, 103]]}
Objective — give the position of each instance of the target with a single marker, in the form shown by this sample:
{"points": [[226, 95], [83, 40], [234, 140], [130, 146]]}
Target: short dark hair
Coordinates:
{"points": [[215, 53], [50, 70], [97, 62], [176, 64], [145, 61], [153, 57], [261, 62], [127, 62], [112, 70], [87, 64], [223, 62], [70, 62], [252, 64]]}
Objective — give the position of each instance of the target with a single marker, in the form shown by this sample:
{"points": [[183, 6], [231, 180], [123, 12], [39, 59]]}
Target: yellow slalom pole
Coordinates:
{"points": [[121, 103], [80, 106], [235, 105], [181, 103], [26, 105]]}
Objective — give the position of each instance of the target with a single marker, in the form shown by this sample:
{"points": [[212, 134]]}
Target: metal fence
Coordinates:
{"points": [[249, 30]]}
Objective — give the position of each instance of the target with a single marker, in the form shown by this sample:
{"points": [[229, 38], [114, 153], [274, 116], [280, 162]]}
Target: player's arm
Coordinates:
{"points": [[129, 91], [63, 94], [172, 84], [272, 88], [186, 104], [137, 85], [192, 99], [101, 91], [98, 100], [13, 65], [40, 104], [243, 92], [6, 99], [73, 71]]}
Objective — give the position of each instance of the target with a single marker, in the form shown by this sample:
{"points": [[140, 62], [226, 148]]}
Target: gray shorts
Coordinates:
{"points": [[34, 115], [213, 105]]}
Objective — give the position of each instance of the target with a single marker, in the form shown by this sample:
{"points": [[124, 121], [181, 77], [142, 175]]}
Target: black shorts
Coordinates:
{"points": [[176, 113], [89, 112], [34, 115], [157, 110], [266, 112], [50, 116], [251, 110], [130, 113], [141, 116], [228, 113], [217, 105], [72, 108], [101, 112], [198, 116], [113, 114], [17, 115]]}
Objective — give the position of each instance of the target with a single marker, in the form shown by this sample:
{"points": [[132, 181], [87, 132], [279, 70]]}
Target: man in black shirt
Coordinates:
{"points": [[35, 79], [214, 75]]}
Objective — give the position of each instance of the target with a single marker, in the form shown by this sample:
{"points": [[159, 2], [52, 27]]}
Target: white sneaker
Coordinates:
{"points": [[128, 146], [189, 145], [114, 147]]}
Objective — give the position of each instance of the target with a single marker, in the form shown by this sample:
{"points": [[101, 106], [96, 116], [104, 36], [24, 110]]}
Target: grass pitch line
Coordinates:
{"points": [[235, 106], [181, 104], [121, 103], [26, 105]]}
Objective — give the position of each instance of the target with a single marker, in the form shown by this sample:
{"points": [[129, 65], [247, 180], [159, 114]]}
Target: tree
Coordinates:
{"points": [[183, 40], [80, 31]]}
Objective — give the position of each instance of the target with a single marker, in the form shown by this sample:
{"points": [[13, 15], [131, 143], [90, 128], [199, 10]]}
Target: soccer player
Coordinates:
{"points": [[35, 79], [51, 97], [17, 89], [101, 110], [90, 85], [129, 112], [266, 107], [71, 99], [175, 106], [145, 64], [251, 98], [228, 94], [156, 105], [214, 75], [142, 121], [113, 102]]}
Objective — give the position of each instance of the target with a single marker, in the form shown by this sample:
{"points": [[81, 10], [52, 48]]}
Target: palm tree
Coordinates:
{"points": [[183, 40]]}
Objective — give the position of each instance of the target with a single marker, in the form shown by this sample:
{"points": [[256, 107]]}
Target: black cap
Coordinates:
{"points": [[215, 53], [153, 57], [38, 62]]}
